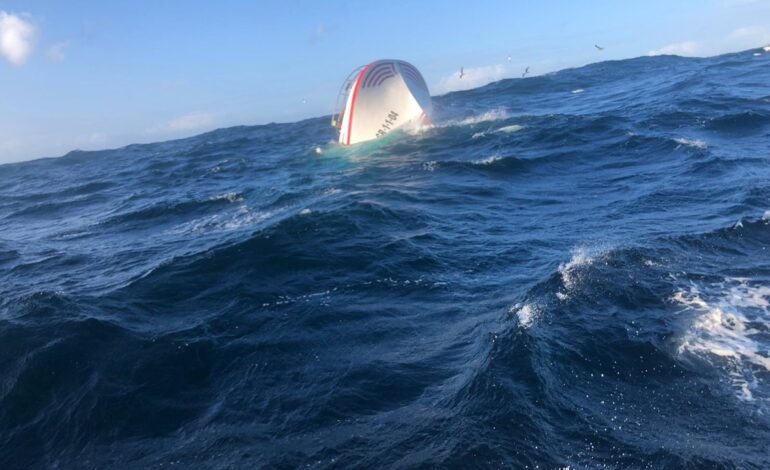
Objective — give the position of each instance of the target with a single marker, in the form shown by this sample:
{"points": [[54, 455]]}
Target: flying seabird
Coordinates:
{"points": [[598, 47], [526, 72], [509, 58], [462, 74]]}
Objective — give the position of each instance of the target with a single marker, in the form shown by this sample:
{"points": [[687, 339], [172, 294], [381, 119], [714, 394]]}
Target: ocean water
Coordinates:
{"points": [[567, 271]]}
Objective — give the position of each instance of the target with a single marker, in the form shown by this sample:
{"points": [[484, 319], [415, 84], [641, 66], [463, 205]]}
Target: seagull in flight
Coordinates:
{"points": [[598, 47], [526, 72], [509, 58], [462, 73]]}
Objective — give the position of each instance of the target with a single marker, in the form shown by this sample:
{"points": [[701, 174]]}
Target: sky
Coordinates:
{"points": [[102, 74]]}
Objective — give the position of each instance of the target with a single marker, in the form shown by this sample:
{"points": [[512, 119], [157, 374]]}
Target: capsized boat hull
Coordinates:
{"points": [[384, 96]]}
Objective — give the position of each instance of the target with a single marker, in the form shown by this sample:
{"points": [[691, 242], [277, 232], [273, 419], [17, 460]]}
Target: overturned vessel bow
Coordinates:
{"points": [[380, 97]]}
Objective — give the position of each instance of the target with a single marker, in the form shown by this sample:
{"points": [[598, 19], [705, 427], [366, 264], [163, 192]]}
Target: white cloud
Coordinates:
{"points": [[16, 38], [750, 36], [58, 52], [198, 121], [740, 39], [687, 48], [94, 138], [191, 122], [11, 145], [472, 78]]}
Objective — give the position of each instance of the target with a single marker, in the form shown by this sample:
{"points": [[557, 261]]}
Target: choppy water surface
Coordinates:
{"points": [[568, 270]]}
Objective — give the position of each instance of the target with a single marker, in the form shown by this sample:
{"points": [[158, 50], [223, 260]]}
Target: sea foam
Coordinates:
{"points": [[731, 319]]}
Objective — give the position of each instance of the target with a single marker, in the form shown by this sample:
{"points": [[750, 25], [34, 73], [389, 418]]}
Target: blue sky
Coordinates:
{"points": [[96, 74]]}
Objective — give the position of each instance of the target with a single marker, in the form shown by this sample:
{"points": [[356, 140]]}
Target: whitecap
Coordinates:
{"points": [[488, 160], [229, 197], [698, 144], [491, 115], [570, 271], [510, 129], [527, 314], [577, 91], [243, 217], [417, 129], [727, 330]]}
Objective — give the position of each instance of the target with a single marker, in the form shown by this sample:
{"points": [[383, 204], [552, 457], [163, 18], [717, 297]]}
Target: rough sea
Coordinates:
{"points": [[566, 271]]}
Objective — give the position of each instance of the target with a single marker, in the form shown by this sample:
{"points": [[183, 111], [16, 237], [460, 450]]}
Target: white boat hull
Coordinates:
{"points": [[385, 96]]}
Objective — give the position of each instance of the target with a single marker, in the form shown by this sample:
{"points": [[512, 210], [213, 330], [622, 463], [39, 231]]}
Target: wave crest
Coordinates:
{"points": [[731, 319]]}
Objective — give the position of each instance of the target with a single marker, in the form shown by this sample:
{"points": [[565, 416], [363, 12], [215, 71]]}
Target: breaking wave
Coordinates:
{"points": [[729, 330]]}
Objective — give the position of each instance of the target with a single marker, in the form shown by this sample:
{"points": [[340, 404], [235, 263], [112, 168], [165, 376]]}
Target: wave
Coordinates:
{"points": [[8, 256], [739, 123], [59, 208], [572, 271], [721, 321], [494, 164], [69, 192], [230, 196], [243, 217], [510, 129], [553, 143], [694, 143], [729, 331], [278, 249], [169, 211], [527, 314], [505, 130], [488, 160], [498, 114]]}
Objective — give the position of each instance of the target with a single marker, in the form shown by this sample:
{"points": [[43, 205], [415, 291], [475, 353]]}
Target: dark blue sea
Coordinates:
{"points": [[566, 271]]}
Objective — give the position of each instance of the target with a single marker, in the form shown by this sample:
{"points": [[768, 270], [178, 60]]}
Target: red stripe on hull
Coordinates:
{"points": [[353, 102]]}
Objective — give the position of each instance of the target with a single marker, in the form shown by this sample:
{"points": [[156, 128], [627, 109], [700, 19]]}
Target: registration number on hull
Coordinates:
{"points": [[390, 120]]}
